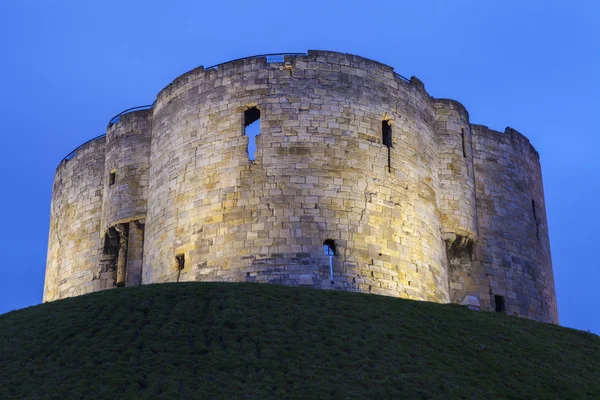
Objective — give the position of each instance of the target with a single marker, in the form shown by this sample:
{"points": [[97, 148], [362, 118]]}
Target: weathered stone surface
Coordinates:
{"points": [[437, 214]]}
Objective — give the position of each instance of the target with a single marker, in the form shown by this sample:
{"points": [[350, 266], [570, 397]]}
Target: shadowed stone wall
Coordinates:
{"points": [[514, 246]]}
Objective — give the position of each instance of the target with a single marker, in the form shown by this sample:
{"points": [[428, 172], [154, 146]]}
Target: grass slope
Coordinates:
{"points": [[250, 341]]}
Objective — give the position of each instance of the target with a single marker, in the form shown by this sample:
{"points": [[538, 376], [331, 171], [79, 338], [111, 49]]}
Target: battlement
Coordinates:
{"points": [[318, 169]]}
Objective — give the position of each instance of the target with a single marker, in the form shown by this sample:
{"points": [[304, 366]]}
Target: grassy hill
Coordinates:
{"points": [[251, 341]]}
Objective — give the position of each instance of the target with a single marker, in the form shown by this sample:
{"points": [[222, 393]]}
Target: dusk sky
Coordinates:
{"points": [[69, 66]]}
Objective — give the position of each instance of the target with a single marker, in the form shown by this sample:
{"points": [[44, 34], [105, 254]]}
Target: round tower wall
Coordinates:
{"points": [[126, 168], [514, 245], [125, 198], [75, 213], [457, 194], [457, 183], [321, 172]]}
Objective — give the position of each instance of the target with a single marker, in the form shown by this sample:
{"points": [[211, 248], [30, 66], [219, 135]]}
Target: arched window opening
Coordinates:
{"points": [[329, 247], [252, 129], [329, 250], [386, 139]]}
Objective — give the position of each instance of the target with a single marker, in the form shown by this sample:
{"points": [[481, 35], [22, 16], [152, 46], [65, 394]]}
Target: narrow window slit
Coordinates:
{"points": [[111, 178], [535, 219], [252, 129], [386, 139], [464, 147], [329, 250], [499, 303]]}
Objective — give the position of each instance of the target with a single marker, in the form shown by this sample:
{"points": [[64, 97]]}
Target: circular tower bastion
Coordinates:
{"points": [[323, 170]]}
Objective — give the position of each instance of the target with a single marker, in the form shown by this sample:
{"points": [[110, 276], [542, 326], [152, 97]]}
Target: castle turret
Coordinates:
{"points": [[457, 194], [75, 213], [125, 198], [517, 275]]}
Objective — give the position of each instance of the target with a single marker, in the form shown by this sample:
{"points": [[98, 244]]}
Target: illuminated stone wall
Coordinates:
{"points": [[75, 231], [403, 214]]}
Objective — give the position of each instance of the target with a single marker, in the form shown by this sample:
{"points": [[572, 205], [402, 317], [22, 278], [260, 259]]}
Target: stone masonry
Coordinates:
{"points": [[409, 198]]}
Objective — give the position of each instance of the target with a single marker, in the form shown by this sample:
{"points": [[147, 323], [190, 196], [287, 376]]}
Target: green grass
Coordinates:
{"points": [[251, 341]]}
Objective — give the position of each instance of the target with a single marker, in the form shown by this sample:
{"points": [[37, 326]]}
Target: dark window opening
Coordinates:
{"points": [[180, 258], [329, 250], [386, 139], [499, 302], [386, 133], [252, 129], [111, 178], [329, 247], [464, 147]]}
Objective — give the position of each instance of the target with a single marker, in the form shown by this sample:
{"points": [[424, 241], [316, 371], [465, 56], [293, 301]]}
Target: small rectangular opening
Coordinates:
{"points": [[329, 247], [329, 250], [386, 139], [499, 302], [252, 129], [464, 147], [111, 178], [386, 133]]}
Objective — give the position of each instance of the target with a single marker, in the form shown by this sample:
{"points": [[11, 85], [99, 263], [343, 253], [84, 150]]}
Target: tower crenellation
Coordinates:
{"points": [[324, 170]]}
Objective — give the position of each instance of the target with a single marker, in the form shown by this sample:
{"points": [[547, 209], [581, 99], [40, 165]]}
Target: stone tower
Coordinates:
{"points": [[359, 180]]}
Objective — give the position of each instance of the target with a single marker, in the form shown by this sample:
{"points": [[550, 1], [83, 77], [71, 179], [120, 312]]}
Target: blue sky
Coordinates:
{"points": [[69, 66]]}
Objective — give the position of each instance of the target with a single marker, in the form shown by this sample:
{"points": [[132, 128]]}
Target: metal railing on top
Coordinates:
{"points": [[402, 77], [72, 154], [117, 117], [113, 120]]}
